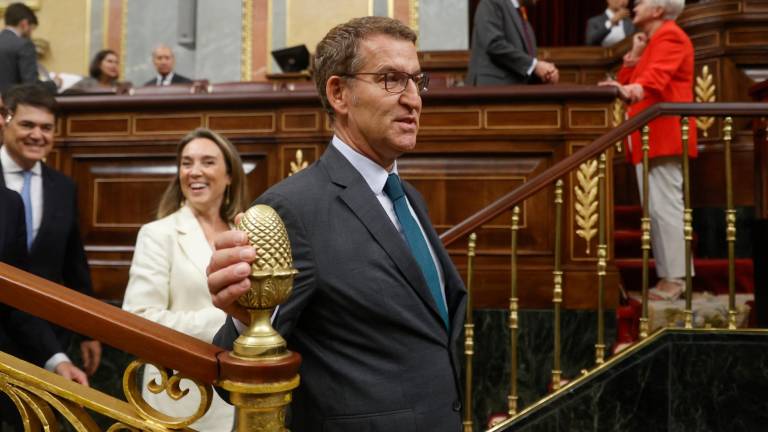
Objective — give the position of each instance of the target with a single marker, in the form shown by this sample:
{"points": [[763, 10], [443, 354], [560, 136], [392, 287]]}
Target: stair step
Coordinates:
{"points": [[711, 274], [627, 217]]}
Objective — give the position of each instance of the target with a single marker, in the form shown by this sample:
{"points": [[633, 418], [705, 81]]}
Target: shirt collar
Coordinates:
{"points": [[609, 12], [14, 31], [374, 174], [10, 165], [516, 4]]}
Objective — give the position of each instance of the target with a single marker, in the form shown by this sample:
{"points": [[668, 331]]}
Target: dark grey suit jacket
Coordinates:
{"points": [[18, 60], [57, 253], [376, 355], [596, 30], [175, 79], [499, 55]]}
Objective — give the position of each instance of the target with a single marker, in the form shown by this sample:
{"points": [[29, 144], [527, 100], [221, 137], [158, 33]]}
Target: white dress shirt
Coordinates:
{"points": [[164, 81], [14, 180], [616, 33]]}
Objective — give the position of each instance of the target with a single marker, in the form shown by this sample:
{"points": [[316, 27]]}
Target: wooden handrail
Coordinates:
{"points": [[527, 189], [145, 339]]}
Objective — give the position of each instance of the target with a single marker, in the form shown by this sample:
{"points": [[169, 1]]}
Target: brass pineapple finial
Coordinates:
{"points": [[271, 282]]}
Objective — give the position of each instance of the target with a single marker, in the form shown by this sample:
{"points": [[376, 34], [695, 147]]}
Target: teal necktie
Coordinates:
{"points": [[416, 242]]}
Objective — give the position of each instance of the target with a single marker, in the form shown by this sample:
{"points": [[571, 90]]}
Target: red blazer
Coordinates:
{"points": [[665, 71]]}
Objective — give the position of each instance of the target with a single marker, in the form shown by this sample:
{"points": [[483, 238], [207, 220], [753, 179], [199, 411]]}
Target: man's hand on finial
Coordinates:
{"points": [[228, 272]]}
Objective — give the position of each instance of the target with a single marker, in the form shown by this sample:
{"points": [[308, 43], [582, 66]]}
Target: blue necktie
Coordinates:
{"points": [[416, 242], [26, 196]]}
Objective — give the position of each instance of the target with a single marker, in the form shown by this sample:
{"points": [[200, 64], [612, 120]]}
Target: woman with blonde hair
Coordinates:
{"points": [[167, 281]]}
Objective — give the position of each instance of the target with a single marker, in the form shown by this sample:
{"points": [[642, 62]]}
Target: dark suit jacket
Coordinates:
{"points": [[499, 55], [376, 354], [18, 60], [596, 30], [57, 253], [21, 334], [175, 79]]}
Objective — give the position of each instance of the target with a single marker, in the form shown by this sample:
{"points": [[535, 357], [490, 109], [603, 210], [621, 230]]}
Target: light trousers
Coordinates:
{"points": [[665, 207]]}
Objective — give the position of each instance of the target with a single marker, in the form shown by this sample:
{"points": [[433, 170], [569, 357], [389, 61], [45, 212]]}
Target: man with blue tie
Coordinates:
{"points": [[55, 249], [378, 306]]}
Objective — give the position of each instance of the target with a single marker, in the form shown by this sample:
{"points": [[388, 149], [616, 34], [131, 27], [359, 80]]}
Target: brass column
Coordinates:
{"points": [[645, 239], [469, 329], [602, 256], [513, 317], [687, 227], [730, 223], [557, 276]]}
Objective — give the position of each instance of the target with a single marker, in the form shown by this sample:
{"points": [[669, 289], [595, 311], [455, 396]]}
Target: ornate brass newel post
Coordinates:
{"points": [[513, 317], [602, 257], [730, 223], [469, 343], [645, 239], [261, 404], [557, 276], [687, 228]]}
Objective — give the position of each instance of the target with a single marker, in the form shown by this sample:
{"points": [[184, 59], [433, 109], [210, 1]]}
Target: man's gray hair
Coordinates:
{"points": [[672, 8]]}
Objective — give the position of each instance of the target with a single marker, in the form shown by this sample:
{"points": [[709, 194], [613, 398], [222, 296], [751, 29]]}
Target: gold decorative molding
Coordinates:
{"points": [[414, 15], [246, 55], [617, 118], [705, 93], [123, 36], [298, 163], [170, 383], [585, 204]]}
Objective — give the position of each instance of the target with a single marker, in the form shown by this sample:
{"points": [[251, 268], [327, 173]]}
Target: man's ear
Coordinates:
{"points": [[337, 93]]}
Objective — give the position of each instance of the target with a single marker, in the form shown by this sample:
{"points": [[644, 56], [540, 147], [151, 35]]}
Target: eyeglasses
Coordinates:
{"points": [[396, 82]]}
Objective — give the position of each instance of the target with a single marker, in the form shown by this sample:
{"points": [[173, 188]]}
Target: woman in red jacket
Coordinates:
{"points": [[660, 68]]}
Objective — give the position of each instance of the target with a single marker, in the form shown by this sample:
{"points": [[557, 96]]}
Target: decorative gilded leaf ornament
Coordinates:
{"points": [[586, 203]]}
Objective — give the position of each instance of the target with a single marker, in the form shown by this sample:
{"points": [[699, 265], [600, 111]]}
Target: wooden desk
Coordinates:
{"points": [[474, 145]]}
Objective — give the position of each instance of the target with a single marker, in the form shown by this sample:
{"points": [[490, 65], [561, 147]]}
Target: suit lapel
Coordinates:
{"points": [[192, 240], [358, 196]]}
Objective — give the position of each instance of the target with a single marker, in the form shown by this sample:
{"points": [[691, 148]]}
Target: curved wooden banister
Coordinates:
{"points": [[591, 150], [145, 339]]}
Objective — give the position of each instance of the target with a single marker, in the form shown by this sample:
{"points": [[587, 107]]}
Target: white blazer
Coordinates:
{"points": [[167, 284]]}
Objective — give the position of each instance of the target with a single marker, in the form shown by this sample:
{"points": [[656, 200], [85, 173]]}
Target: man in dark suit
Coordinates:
{"points": [[18, 59], [21, 334], [50, 200], [165, 61], [504, 46], [377, 307], [611, 26]]}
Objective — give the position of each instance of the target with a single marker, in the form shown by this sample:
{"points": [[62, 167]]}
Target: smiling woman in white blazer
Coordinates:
{"points": [[167, 281]]}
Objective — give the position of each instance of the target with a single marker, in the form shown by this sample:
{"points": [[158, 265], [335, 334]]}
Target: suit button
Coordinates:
{"points": [[456, 406]]}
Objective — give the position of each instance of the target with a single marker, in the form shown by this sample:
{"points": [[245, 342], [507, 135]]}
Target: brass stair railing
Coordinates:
{"points": [[552, 177], [259, 385]]}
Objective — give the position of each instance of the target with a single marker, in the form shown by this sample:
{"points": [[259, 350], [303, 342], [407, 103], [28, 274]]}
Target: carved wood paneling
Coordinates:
{"points": [[235, 122], [523, 118]]}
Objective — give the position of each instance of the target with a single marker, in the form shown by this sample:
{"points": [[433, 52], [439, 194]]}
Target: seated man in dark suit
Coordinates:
{"points": [[378, 306], [23, 335], [165, 61], [50, 200], [611, 26]]}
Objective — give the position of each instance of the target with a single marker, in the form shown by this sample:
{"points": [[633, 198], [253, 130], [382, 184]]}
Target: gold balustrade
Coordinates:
{"points": [[599, 149]]}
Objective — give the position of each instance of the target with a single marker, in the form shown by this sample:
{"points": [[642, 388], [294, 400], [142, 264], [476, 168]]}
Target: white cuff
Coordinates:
{"points": [[608, 24], [56, 360], [532, 67]]}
